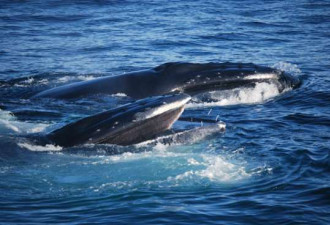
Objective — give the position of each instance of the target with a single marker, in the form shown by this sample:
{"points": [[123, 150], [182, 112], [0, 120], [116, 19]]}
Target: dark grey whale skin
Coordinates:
{"points": [[190, 78], [125, 125]]}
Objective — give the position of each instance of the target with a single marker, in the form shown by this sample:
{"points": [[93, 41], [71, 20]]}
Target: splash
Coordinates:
{"points": [[288, 67], [214, 168], [29, 81], [40, 148], [9, 125], [67, 79], [119, 95], [167, 166]]}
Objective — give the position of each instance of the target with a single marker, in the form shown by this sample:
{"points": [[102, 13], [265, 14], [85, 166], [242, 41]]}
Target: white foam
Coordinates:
{"points": [[86, 77], [9, 124], [195, 166], [40, 148], [29, 81], [43, 81], [216, 169], [119, 95], [258, 94], [66, 79], [287, 67]]}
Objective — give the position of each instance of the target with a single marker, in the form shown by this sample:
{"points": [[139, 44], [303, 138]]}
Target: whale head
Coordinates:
{"points": [[196, 78], [128, 124]]}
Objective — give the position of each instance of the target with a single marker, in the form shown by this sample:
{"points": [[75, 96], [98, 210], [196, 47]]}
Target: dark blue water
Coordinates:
{"points": [[271, 166]]}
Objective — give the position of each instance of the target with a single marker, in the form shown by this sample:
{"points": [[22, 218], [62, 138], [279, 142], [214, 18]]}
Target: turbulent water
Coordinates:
{"points": [[271, 166]]}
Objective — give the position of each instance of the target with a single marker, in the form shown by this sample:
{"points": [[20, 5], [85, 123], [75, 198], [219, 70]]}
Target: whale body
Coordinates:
{"points": [[125, 125], [190, 78]]}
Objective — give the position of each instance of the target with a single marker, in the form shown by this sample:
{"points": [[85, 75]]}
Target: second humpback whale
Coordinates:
{"points": [[125, 125], [190, 78]]}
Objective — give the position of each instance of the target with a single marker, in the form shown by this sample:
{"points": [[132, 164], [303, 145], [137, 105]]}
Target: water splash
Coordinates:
{"points": [[66, 79], [9, 125], [214, 168], [287, 67], [40, 148]]}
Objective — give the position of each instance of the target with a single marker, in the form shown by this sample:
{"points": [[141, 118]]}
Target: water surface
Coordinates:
{"points": [[270, 166]]}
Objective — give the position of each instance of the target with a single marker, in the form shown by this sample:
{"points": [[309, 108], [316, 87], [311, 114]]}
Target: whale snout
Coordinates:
{"points": [[288, 81]]}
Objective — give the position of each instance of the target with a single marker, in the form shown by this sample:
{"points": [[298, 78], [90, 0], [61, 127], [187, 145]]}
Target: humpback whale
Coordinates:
{"points": [[125, 125], [190, 78]]}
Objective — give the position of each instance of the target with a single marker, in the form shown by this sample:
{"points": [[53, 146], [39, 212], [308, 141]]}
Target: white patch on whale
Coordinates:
{"points": [[262, 76], [150, 113], [262, 92]]}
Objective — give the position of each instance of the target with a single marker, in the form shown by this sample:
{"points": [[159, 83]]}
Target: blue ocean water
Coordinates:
{"points": [[271, 166]]}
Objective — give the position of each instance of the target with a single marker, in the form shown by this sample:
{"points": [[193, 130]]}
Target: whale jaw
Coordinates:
{"points": [[125, 125], [144, 129]]}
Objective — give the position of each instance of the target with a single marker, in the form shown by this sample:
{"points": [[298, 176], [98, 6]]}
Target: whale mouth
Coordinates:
{"points": [[282, 80], [125, 125]]}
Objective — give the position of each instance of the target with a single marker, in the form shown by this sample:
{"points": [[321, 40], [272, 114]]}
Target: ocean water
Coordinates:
{"points": [[270, 166]]}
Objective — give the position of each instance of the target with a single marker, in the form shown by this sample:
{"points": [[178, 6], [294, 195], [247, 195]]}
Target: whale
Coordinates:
{"points": [[190, 78], [124, 125]]}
